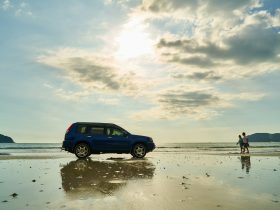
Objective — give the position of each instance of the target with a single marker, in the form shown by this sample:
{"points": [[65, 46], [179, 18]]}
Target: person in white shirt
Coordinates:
{"points": [[245, 142]]}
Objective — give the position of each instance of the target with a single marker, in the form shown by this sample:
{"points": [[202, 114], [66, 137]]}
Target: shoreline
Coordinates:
{"points": [[59, 155]]}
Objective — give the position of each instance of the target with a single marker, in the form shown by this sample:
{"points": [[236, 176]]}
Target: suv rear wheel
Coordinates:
{"points": [[82, 150], [138, 150]]}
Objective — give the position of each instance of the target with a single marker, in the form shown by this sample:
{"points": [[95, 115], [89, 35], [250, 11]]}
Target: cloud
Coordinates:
{"points": [[87, 71], [231, 38], [201, 76], [18, 8], [227, 40], [194, 103], [254, 44], [185, 99], [199, 61], [197, 103], [201, 13], [249, 49], [193, 6], [78, 96], [6, 5], [90, 71], [108, 101], [71, 95]]}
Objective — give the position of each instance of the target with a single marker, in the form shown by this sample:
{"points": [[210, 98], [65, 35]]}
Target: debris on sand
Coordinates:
{"points": [[34, 180], [275, 201], [207, 174], [14, 195], [4, 201]]}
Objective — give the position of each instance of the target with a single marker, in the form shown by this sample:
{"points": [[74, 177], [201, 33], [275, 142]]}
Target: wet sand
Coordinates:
{"points": [[163, 180]]}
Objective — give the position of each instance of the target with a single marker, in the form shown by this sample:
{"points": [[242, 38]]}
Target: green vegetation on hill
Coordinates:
{"points": [[264, 137], [6, 139]]}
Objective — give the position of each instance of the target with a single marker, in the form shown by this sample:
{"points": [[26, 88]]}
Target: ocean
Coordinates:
{"points": [[215, 148]]}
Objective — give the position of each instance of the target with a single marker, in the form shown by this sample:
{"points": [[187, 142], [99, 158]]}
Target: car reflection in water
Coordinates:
{"points": [[87, 177]]}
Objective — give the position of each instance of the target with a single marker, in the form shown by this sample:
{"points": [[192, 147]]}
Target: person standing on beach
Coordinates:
{"points": [[245, 142], [240, 142]]}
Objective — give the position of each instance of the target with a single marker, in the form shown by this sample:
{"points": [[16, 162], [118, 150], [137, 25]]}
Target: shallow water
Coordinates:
{"points": [[162, 180], [221, 148]]}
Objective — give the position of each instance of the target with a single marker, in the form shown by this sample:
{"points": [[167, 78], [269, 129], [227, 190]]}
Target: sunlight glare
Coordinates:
{"points": [[133, 41]]}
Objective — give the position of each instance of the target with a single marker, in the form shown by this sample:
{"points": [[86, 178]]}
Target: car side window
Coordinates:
{"points": [[82, 129], [96, 130], [114, 132]]}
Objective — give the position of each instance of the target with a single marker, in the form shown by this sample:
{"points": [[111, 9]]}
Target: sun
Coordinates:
{"points": [[134, 40]]}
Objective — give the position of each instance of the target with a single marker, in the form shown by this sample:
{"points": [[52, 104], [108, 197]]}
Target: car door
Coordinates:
{"points": [[97, 137], [117, 139]]}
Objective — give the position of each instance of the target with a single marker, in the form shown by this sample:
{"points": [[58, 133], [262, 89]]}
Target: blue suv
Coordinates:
{"points": [[84, 139]]}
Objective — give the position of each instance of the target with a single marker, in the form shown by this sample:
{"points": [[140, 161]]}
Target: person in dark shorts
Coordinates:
{"points": [[245, 142], [240, 142]]}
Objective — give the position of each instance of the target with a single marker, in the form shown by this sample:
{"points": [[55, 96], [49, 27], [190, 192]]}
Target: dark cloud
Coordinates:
{"points": [[91, 71], [174, 43], [193, 60], [254, 44], [213, 6], [207, 76], [158, 6], [184, 101], [86, 71]]}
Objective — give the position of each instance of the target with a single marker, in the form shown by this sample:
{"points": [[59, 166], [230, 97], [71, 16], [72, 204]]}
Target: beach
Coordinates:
{"points": [[168, 178]]}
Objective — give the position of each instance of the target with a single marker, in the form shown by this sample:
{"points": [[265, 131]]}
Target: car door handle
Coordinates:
{"points": [[109, 137], [88, 136]]}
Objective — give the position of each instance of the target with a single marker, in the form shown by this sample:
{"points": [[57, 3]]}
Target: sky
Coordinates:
{"points": [[178, 71]]}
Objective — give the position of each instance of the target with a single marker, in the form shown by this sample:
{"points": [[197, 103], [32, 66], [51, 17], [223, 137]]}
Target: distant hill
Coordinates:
{"points": [[264, 137], [6, 139]]}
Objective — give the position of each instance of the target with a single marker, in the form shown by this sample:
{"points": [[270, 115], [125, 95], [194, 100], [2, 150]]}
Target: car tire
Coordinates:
{"points": [[82, 150], [139, 150]]}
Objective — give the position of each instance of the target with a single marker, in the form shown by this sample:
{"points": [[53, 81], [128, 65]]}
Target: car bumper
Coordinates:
{"points": [[67, 146], [150, 146]]}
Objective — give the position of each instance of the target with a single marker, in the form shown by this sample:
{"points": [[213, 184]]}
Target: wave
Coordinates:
{"points": [[213, 147], [31, 147], [169, 147]]}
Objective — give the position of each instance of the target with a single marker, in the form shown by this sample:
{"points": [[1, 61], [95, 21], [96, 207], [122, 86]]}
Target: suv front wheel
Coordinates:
{"points": [[82, 150], [138, 151]]}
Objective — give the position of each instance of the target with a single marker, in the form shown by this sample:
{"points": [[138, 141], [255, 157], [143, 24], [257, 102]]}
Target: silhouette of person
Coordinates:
{"points": [[240, 142], [245, 142], [246, 163]]}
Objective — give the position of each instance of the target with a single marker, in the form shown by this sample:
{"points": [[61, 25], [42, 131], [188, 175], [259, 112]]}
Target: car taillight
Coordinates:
{"points": [[68, 129]]}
